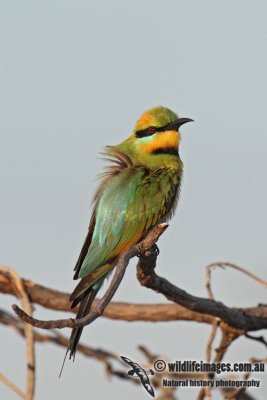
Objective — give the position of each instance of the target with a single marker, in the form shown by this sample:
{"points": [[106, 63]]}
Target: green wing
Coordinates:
{"points": [[131, 202]]}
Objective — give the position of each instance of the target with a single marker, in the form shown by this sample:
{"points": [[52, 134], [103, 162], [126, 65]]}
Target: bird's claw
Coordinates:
{"points": [[155, 249]]}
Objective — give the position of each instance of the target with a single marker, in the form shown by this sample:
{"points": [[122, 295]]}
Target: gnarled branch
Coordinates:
{"points": [[240, 319], [120, 268], [188, 307]]}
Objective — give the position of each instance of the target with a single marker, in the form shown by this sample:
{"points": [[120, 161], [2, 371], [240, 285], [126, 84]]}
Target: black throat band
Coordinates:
{"points": [[166, 150]]}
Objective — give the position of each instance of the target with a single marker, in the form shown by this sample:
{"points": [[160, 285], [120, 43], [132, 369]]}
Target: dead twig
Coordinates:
{"points": [[22, 295], [215, 323], [260, 339], [226, 340], [223, 265], [12, 386], [206, 392]]}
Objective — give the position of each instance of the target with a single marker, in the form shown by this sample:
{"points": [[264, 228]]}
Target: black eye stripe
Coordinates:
{"points": [[146, 132], [151, 130]]}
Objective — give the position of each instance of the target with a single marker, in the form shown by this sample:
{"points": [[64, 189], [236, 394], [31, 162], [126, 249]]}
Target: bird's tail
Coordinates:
{"points": [[84, 309], [85, 305]]}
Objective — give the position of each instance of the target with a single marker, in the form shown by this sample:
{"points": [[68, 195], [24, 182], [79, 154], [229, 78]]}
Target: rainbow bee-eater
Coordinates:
{"points": [[138, 190]]}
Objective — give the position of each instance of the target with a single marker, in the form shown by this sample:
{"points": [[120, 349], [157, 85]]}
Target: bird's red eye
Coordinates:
{"points": [[146, 132], [151, 129]]}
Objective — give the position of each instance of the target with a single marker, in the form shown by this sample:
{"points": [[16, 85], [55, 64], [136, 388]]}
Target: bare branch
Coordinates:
{"points": [[70, 322], [21, 293], [206, 392], [233, 322], [100, 355], [240, 319], [59, 301], [215, 323], [123, 261], [260, 339], [226, 340], [223, 265], [211, 340], [12, 386], [252, 318]]}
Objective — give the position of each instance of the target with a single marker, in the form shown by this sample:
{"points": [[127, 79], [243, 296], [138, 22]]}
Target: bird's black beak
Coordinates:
{"points": [[175, 125]]}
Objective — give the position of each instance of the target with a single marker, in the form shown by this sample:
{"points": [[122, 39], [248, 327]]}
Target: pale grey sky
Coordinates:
{"points": [[75, 75]]}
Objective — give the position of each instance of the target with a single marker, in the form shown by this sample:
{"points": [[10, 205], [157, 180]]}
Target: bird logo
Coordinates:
{"points": [[138, 372]]}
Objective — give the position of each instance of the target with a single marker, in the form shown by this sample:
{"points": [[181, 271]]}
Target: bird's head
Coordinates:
{"points": [[157, 132], [155, 137]]}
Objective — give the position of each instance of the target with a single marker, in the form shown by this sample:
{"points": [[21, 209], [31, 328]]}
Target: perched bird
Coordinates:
{"points": [[139, 189]]}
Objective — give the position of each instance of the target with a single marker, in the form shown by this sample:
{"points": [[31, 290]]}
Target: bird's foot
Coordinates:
{"points": [[155, 249]]}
